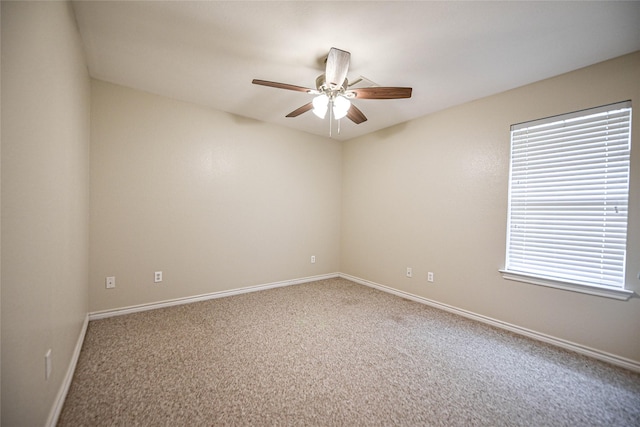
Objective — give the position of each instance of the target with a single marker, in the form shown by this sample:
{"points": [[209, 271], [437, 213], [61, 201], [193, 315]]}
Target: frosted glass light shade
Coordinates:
{"points": [[341, 106], [320, 104]]}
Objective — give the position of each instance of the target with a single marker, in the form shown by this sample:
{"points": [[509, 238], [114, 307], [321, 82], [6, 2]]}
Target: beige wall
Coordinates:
{"points": [[431, 194], [45, 203], [213, 200]]}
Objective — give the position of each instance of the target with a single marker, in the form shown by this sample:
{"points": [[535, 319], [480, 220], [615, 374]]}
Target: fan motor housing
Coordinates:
{"points": [[321, 84]]}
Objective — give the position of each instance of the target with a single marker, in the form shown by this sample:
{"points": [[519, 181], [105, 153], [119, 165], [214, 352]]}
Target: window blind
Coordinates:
{"points": [[569, 186]]}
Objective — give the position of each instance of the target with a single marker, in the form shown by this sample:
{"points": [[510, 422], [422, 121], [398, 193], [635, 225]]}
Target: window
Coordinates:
{"points": [[568, 193]]}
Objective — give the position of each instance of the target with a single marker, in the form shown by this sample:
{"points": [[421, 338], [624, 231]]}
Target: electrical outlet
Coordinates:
{"points": [[47, 364], [110, 282], [430, 277], [409, 272], [158, 277], [313, 259]]}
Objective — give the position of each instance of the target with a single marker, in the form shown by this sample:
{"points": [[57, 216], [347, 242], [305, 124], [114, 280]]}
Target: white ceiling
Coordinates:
{"points": [[450, 52]]}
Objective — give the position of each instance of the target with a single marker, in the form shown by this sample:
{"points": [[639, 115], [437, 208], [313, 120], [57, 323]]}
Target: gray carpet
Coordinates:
{"points": [[329, 353]]}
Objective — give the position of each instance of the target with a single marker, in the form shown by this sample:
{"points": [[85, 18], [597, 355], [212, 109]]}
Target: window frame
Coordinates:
{"points": [[543, 279]]}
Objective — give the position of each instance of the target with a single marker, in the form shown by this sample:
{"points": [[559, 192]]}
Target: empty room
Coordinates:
{"points": [[320, 213]]}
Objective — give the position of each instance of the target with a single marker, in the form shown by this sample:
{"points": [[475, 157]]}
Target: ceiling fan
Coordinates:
{"points": [[333, 93]]}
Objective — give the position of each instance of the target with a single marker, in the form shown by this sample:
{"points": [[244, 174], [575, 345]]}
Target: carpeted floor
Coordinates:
{"points": [[334, 353]]}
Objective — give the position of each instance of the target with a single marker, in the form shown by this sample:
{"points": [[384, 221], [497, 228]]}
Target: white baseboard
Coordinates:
{"points": [[54, 414], [179, 301], [568, 345]]}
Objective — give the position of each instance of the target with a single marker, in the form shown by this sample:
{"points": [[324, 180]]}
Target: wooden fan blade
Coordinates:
{"points": [[281, 85], [355, 115], [303, 109], [337, 67], [382, 92]]}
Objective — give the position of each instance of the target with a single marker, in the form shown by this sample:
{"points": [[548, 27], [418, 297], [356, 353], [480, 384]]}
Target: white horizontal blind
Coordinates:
{"points": [[568, 196]]}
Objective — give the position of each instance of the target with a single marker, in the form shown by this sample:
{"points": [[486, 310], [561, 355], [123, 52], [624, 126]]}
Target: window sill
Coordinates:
{"points": [[619, 294]]}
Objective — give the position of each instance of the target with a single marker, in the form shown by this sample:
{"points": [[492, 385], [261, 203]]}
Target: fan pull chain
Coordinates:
{"points": [[330, 119]]}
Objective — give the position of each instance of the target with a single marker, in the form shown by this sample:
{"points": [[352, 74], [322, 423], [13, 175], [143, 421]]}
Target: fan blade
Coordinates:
{"points": [[303, 109], [281, 85], [355, 115], [382, 92], [337, 67]]}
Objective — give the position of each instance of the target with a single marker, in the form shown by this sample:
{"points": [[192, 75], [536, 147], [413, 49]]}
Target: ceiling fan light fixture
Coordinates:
{"points": [[320, 104], [333, 92], [341, 106]]}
